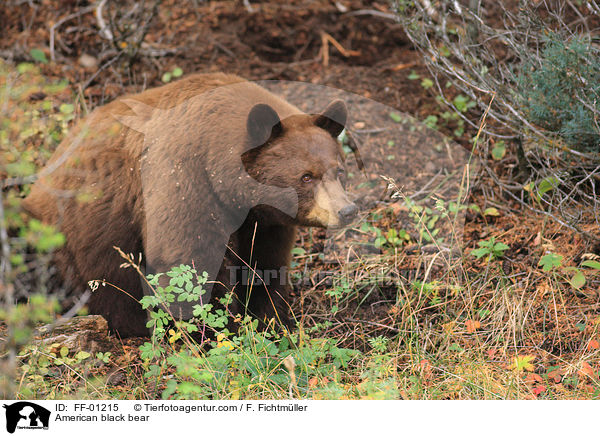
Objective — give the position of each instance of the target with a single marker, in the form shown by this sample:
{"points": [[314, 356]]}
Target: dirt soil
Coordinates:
{"points": [[277, 41]]}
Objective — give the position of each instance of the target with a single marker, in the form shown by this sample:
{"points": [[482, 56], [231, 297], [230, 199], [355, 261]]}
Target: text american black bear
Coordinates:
{"points": [[211, 169]]}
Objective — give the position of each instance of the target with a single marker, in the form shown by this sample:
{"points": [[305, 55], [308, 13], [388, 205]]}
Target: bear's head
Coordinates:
{"points": [[302, 152]]}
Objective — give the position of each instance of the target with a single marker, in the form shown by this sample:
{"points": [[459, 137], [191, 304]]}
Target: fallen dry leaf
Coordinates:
{"points": [[587, 370], [425, 368], [533, 378], [556, 375], [472, 326], [539, 389]]}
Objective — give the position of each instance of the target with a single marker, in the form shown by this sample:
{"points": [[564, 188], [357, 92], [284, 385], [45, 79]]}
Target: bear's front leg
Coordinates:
{"points": [[262, 284], [271, 302]]}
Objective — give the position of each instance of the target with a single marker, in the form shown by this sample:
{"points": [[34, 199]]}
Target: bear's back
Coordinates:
{"points": [[201, 108]]}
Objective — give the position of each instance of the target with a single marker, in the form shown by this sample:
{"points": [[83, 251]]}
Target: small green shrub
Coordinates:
{"points": [[20, 321], [553, 263], [561, 91], [490, 248], [244, 363], [33, 120]]}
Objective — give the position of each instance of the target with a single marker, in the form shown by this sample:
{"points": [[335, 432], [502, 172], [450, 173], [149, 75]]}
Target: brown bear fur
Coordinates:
{"points": [[181, 172]]}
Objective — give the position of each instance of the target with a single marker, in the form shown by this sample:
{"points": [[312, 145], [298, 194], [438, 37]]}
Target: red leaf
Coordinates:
{"points": [[425, 368], [587, 370], [556, 375], [539, 389], [533, 378]]}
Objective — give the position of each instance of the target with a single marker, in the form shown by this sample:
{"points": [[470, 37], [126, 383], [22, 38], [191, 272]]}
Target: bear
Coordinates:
{"points": [[210, 170]]}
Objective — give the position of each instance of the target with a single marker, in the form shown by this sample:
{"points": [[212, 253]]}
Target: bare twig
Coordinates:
{"points": [[374, 13], [325, 40], [99, 70], [5, 287], [104, 30], [60, 22], [476, 63]]}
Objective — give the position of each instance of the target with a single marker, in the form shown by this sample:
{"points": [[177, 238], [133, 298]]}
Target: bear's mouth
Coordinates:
{"points": [[319, 217]]}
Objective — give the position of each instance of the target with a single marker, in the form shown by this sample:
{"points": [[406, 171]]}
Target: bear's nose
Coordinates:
{"points": [[347, 213]]}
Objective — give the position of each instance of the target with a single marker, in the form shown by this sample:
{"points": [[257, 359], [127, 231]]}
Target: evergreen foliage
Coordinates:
{"points": [[561, 91]]}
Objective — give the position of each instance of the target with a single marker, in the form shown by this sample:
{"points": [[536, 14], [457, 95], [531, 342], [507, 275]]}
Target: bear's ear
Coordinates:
{"points": [[263, 124], [333, 119]]}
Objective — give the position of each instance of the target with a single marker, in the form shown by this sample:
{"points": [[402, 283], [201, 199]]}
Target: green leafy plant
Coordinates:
{"points": [[543, 186], [33, 120], [490, 248], [391, 238], [38, 56], [451, 119], [379, 344], [104, 357], [425, 219], [431, 290], [552, 262], [339, 291], [499, 150], [21, 320], [224, 362]]}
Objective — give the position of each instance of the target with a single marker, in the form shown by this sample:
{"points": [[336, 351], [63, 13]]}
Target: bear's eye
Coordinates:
{"points": [[341, 173], [306, 178]]}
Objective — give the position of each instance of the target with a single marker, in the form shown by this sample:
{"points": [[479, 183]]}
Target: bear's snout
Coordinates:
{"points": [[348, 213]]}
